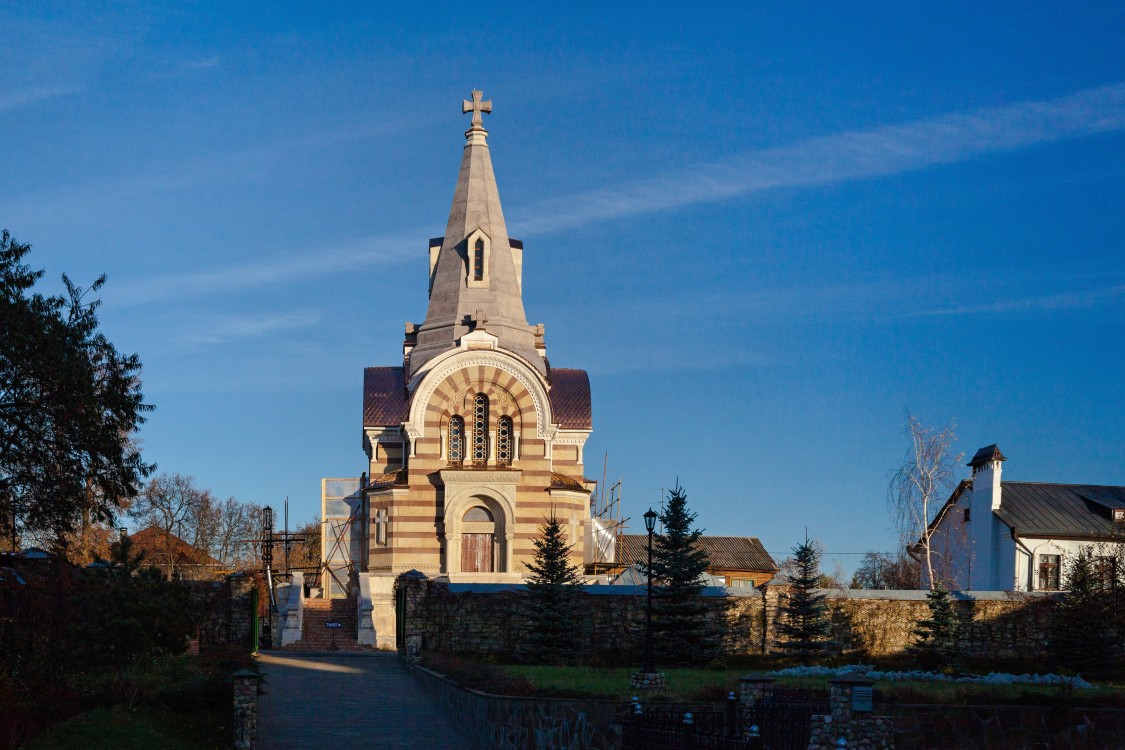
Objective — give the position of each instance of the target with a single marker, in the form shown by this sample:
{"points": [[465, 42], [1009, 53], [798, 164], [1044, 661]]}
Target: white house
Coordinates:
{"points": [[994, 535]]}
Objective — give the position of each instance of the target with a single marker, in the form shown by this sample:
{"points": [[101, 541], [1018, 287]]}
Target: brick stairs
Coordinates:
{"points": [[316, 637]]}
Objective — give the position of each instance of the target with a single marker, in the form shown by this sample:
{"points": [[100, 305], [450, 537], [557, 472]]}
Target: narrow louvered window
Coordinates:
{"points": [[478, 261], [480, 430], [456, 441], [504, 442]]}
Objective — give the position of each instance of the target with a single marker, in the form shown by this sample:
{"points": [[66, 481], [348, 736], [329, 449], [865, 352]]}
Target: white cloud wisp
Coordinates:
{"points": [[856, 155]]}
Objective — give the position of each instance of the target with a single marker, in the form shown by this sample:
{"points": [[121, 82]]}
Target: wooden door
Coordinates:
{"points": [[476, 553]]}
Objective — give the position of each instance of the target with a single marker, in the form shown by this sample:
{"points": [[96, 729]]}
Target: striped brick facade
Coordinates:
{"points": [[423, 509], [425, 512]]}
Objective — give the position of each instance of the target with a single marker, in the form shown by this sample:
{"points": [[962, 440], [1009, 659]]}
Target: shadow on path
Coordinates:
{"points": [[361, 700]]}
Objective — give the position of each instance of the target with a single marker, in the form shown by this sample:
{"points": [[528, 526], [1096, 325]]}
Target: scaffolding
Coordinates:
{"points": [[342, 540], [606, 525]]}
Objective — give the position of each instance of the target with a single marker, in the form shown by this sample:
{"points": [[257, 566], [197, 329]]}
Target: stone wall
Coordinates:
{"points": [[487, 619], [226, 610], [995, 624]]}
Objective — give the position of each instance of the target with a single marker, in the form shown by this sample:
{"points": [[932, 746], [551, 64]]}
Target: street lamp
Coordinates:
{"points": [[646, 663]]}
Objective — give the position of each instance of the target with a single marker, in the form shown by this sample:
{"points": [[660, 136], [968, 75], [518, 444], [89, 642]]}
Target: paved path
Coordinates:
{"points": [[362, 701]]}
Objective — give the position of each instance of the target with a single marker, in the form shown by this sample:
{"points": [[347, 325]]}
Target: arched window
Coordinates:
{"points": [[480, 430], [477, 513], [478, 260], [504, 442], [456, 441]]}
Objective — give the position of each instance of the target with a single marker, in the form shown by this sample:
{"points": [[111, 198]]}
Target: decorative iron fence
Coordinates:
{"points": [[781, 724], [783, 720]]}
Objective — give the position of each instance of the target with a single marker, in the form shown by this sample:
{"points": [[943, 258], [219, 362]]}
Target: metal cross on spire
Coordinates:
{"points": [[476, 106]]}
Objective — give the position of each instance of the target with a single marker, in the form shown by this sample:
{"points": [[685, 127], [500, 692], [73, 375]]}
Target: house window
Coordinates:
{"points": [[480, 430], [1048, 572], [478, 260], [504, 442], [456, 441], [968, 515]]}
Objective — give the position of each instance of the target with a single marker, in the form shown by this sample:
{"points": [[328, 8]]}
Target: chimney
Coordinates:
{"points": [[984, 527], [986, 473]]}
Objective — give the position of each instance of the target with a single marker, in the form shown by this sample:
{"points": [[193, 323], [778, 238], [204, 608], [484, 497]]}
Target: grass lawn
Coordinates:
{"points": [[683, 684], [178, 703], [713, 685], [121, 729]]}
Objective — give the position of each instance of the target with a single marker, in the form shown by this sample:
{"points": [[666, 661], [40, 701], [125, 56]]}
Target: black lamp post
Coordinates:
{"points": [[646, 664]]}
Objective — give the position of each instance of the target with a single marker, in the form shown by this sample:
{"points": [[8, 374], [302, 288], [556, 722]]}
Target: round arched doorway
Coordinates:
{"points": [[478, 541]]}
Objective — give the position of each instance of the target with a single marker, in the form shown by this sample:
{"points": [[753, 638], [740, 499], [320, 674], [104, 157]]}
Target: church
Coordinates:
{"points": [[474, 438]]}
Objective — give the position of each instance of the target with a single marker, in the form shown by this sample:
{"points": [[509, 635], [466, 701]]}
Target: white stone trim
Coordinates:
{"points": [[465, 488], [573, 437], [470, 254], [459, 359], [376, 434]]}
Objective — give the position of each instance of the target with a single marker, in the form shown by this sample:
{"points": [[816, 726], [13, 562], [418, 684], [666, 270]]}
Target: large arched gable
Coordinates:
{"points": [[511, 384]]}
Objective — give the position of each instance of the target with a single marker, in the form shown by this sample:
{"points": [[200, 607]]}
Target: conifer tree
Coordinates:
{"points": [[804, 623], [938, 635], [681, 627], [1082, 625], [554, 589]]}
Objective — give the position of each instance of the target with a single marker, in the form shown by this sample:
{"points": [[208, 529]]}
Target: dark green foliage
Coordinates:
{"points": [[554, 591], [682, 630], [938, 636], [69, 402], [804, 624], [131, 613], [1082, 628]]}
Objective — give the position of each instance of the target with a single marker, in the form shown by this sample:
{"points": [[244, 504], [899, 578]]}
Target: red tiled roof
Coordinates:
{"points": [[726, 552], [570, 398], [157, 544], [384, 397]]}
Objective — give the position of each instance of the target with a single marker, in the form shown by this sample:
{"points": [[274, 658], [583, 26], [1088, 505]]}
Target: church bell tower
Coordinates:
{"points": [[475, 439]]}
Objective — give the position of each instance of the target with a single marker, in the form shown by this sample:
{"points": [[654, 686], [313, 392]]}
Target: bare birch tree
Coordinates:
{"points": [[921, 483]]}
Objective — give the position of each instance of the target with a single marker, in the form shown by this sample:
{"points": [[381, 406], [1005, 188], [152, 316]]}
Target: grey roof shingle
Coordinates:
{"points": [[726, 552], [1062, 510]]}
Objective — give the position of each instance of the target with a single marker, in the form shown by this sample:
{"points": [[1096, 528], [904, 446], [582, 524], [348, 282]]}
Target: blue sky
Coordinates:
{"points": [[767, 232]]}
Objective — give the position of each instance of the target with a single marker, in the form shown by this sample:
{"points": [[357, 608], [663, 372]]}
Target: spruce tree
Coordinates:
{"points": [[1082, 637], [804, 622], [938, 635], [681, 629], [554, 589]]}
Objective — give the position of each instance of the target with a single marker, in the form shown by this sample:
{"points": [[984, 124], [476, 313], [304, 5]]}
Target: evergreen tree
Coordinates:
{"points": [[938, 635], [554, 589], [69, 404], [1082, 636], [681, 627], [804, 623]]}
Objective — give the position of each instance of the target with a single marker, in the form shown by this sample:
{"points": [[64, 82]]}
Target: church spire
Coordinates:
{"points": [[474, 277]]}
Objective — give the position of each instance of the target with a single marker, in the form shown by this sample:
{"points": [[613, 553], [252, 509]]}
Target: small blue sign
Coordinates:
{"points": [[332, 624]]}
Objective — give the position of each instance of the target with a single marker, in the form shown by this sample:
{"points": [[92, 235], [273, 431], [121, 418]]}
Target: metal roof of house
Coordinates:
{"points": [[725, 552], [1060, 510]]}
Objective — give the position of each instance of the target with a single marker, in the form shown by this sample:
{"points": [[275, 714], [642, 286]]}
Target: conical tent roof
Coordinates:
{"points": [[457, 300]]}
